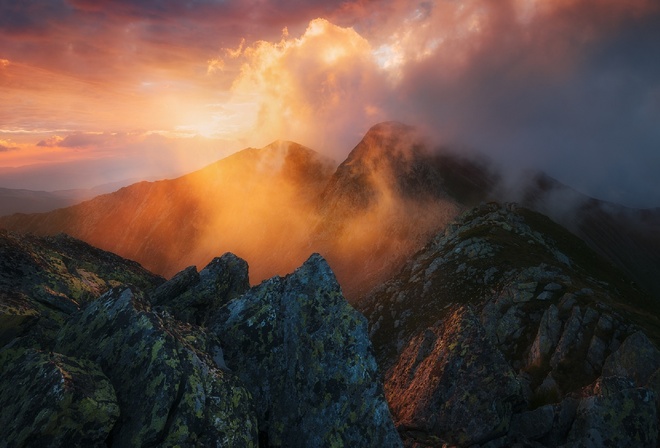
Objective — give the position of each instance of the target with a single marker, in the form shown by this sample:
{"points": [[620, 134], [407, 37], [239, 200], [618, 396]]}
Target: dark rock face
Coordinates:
{"points": [[145, 366], [193, 297], [303, 352], [451, 383], [560, 320], [51, 400], [168, 387]]}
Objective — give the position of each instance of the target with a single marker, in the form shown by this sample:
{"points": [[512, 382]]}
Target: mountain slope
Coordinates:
{"points": [[273, 206], [381, 204], [629, 238], [257, 203], [507, 329]]}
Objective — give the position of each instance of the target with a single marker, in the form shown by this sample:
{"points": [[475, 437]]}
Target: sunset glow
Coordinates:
{"points": [[520, 79]]}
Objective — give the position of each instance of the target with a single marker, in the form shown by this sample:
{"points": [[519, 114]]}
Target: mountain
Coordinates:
{"points": [[381, 204], [272, 206], [32, 201], [507, 330], [91, 355], [628, 237], [257, 203]]}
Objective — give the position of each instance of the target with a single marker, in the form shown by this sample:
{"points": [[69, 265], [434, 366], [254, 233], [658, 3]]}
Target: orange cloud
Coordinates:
{"points": [[312, 88]]}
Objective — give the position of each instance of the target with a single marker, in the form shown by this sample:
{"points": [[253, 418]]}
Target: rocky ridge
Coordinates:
{"points": [[506, 329], [199, 360]]}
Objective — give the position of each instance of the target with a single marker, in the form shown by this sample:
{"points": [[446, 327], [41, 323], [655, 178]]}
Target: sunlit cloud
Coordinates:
{"points": [[550, 84], [313, 88], [51, 142], [7, 145]]}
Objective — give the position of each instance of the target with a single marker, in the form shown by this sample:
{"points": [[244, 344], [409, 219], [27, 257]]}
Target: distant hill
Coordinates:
{"points": [[13, 200]]}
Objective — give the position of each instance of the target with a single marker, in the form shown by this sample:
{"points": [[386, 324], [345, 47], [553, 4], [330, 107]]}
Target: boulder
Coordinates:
{"points": [[460, 389], [637, 358], [305, 355], [169, 389], [618, 414], [51, 400]]}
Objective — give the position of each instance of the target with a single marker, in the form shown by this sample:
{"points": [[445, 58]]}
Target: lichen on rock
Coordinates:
{"points": [[51, 400], [167, 386], [303, 352]]}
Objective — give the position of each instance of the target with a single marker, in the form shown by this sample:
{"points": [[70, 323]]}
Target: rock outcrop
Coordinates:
{"points": [[304, 353], [199, 360], [170, 390], [511, 323], [52, 400]]}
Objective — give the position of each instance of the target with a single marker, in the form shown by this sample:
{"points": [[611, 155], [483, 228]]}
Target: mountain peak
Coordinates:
{"points": [[387, 140]]}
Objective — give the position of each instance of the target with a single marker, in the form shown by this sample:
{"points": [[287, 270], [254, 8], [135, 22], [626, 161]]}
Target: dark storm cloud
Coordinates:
{"points": [[576, 95]]}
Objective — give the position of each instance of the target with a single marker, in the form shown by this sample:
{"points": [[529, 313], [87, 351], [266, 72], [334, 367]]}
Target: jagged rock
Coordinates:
{"points": [[303, 352], [618, 414], [51, 400], [596, 355], [510, 325], [555, 347], [547, 337], [167, 386], [569, 338], [549, 389], [175, 286], [552, 287], [545, 295], [193, 297], [461, 390], [637, 358]]}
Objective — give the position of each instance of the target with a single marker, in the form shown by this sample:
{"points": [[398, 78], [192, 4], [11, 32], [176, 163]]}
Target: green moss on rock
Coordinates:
{"points": [[51, 400], [169, 389], [303, 352]]}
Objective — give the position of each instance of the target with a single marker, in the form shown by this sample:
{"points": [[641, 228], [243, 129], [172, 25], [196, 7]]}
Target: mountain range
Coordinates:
{"points": [[431, 315], [275, 205]]}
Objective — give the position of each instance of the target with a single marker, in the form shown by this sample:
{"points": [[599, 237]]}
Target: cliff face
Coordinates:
{"points": [[507, 329], [201, 360]]}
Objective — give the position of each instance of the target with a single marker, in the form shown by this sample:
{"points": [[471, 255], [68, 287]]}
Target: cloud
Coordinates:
{"points": [[6, 145], [31, 16], [51, 142], [323, 89], [567, 86]]}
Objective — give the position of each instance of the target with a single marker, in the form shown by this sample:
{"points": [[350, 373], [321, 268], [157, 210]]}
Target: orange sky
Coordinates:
{"points": [[544, 83]]}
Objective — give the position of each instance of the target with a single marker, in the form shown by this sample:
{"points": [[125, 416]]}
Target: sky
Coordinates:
{"points": [[94, 91]]}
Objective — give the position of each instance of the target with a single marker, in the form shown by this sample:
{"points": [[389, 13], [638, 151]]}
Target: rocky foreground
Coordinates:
{"points": [[504, 330], [200, 360]]}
